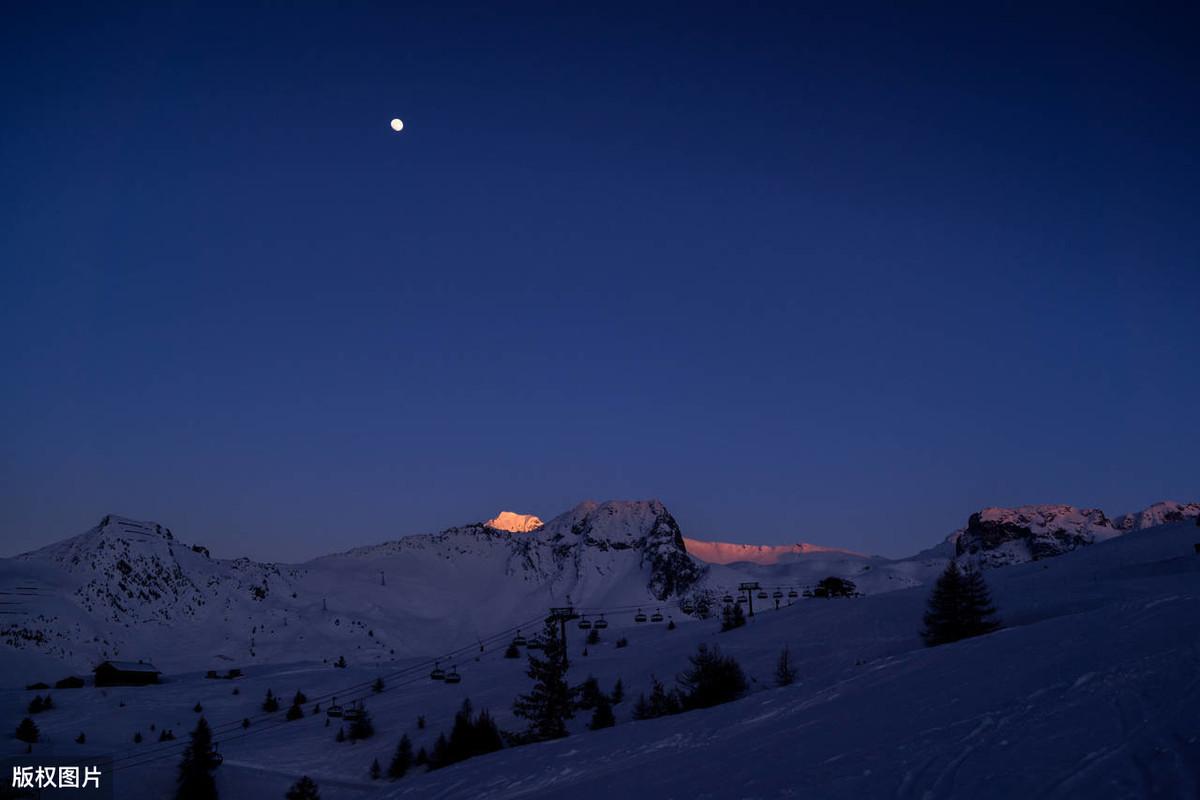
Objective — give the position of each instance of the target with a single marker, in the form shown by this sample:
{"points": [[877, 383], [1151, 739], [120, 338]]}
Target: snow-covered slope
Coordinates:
{"points": [[1089, 691], [129, 589]]}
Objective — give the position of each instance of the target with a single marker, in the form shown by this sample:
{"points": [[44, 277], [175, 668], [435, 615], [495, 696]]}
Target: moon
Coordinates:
{"points": [[397, 125]]}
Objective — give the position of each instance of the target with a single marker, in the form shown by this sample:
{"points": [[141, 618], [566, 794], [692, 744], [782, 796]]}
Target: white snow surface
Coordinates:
{"points": [[1089, 691]]}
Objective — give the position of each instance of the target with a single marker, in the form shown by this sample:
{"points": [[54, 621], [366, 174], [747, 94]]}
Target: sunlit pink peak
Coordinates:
{"points": [[514, 523], [729, 553]]}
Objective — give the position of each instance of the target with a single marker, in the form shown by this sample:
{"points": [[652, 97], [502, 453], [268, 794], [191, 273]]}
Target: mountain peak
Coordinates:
{"points": [[514, 523], [730, 553]]}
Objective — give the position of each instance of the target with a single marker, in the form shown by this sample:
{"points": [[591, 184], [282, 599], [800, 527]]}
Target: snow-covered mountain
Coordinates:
{"points": [[130, 589], [729, 553], [1163, 513], [514, 522], [1000, 536]]}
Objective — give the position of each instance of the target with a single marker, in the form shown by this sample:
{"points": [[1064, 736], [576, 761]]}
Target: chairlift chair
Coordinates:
{"points": [[438, 674], [585, 624], [334, 709], [535, 644], [519, 640], [600, 623], [777, 594], [354, 713], [686, 608], [452, 676], [727, 598], [639, 617], [658, 617], [762, 595], [793, 594]]}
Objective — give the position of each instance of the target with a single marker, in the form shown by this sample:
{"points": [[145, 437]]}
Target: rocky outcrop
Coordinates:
{"points": [[999, 536]]}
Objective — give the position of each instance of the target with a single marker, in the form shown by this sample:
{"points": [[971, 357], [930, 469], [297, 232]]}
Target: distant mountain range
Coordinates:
{"points": [[130, 589]]}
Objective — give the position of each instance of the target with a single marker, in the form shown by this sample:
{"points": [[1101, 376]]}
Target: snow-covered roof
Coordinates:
{"points": [[130, 666]]}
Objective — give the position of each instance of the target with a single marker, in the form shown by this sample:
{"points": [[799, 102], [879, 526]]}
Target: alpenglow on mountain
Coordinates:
{"points": [[132, 589]]}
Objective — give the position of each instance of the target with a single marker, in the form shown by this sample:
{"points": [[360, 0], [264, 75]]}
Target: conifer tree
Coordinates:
{"points": [[422, 759], [960, 606], [28, 731], [712, 678], [195, 769], [376, 770], [512, 651], [294, 713], [550, 703], [732, 617], [362, 727], [270, 702], [785, 673], [618, 692], [602, 716], [377, 686], [402, 760], [303, 789], [593, 636]]}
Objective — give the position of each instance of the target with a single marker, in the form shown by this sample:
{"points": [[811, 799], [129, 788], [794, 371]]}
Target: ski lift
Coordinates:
{"points": [[585, 624], [727, 598], [639, 617], [777, 594], [519, 640], [215, 759], [354, 713], [535, 644], [438, 674], [658, 617], [686, 607], [762, 595], [743, 599], [793, 594], [601, 623], [452, 676]]}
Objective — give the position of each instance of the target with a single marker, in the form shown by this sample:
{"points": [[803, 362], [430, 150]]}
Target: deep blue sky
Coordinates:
{"points": [[841, 274]]}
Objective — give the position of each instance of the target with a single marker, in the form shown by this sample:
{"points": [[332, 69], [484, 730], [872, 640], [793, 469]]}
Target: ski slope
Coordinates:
{"points": [[1092, 689]]}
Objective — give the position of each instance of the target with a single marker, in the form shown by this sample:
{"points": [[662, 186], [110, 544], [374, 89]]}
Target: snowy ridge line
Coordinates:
{"points": [[356, 691]]}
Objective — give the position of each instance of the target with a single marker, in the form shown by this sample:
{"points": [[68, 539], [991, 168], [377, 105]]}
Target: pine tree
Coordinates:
{"points": [[197, 708], [713, 678], [303, 789], [81, 738], [960, 606], [732, 617], [245, 723], [36, 705], [422, 759], [549, 704], [602, 717], [593, 636], [195, 769], [270, 703], [137, 737], [294, 713], [362, 727], [377, 686], [376, 770], [28, 731], [785, 674], [618, 692], [300, 698], [402, 760], [441, 753], [588, 693]]}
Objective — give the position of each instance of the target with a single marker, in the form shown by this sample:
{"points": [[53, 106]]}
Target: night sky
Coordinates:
{"points": [[834, 273]]}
